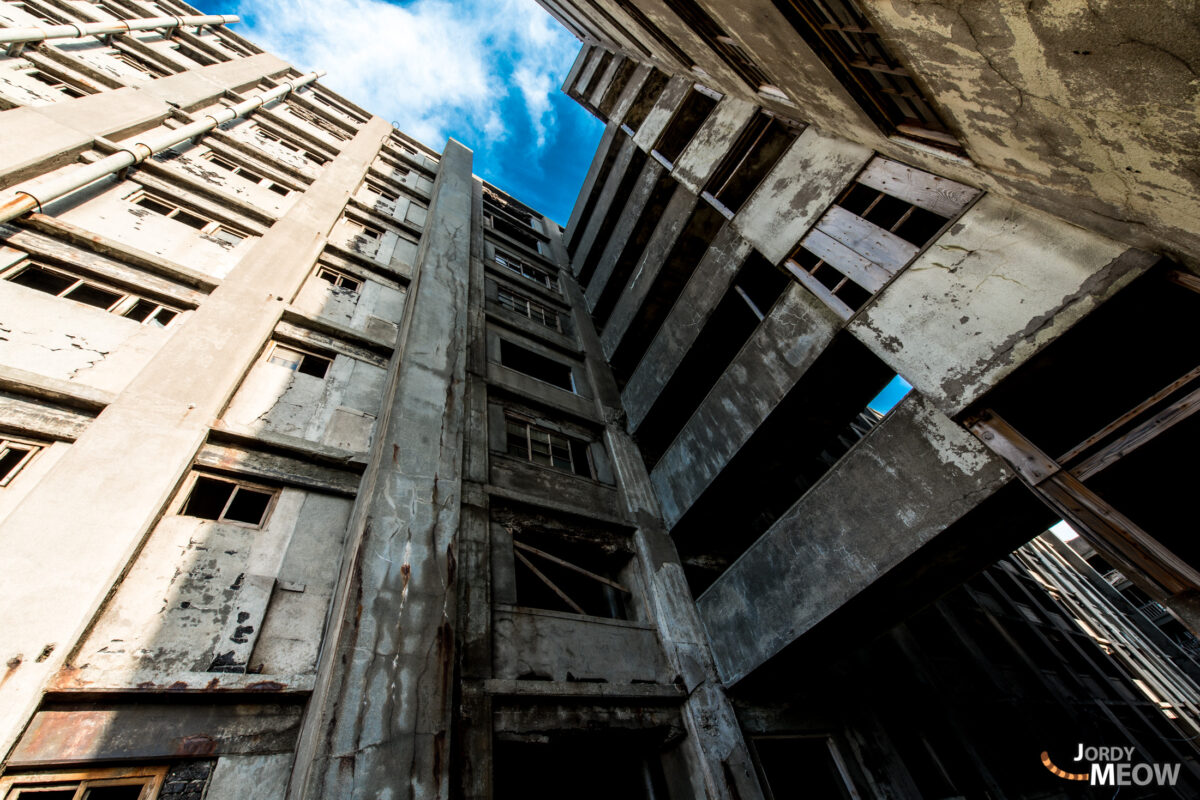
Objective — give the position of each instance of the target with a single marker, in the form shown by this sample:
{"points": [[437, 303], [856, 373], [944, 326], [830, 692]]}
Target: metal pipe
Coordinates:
{"points": [[26, 197], [80, 29]]}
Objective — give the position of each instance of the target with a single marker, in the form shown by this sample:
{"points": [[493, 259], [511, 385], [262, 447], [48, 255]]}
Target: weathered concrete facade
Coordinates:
{"points": [[329, 470]]}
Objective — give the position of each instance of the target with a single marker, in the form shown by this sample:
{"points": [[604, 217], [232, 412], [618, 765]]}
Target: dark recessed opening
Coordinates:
{"points": [[93, 296], [610, 156], [752, 156], [43, 280], [684, 123], [620, 197], [536, 365], [208, 498], [646, 99], [248, 506]]}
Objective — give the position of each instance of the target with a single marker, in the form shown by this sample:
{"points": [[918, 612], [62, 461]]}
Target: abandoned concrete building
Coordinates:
{"points": [[330, 470]]}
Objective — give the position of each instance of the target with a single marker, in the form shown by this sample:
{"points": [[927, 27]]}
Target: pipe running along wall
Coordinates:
{"points": [[81, 29], [26, 197]]}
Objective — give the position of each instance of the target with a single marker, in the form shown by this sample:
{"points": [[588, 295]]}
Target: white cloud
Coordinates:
{"points": [[430, 66]]}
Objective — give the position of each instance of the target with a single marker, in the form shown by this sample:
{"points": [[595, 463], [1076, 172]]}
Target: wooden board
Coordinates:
{"points": [[865, 273], [939, 195], [868, 240]]}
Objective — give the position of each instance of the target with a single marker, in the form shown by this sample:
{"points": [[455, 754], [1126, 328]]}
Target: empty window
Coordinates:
{"points": [[684, 123], [339, 279], [362, 229], [318, 122], [267, 135], [63, 284], [166, 208], [752, 156], [844, 39], [138, 63], [499, 220], [521, 268], [381, 192], [137, 783], [646, 98], [528, 308], [14, 455], [541, 446], [230, 501], [877, 225], [536, 365], [55, 83], [298, 360], [569, 576], [663, 40], [250, 175]]}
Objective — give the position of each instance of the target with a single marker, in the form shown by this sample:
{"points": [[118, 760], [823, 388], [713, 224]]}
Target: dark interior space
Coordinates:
{"points": [[687, 119], [637, 163]]}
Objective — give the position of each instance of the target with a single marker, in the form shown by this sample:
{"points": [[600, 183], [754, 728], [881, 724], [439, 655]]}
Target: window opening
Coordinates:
{"points": [[298, 360], [841, 35], [498, 221], [887, 215], [752, 156], [166, 208], [536, 365], [339, 279], [663, 40], [138, 783], [523, 269], [545, 447], [229, 501], [249, 175], [318, 122], [528, 308], [55, 83], [14, 455], [798, 766], [687, 119], [646, 99], [573, 575], [63, 284], [137, 63], [315, 158]]}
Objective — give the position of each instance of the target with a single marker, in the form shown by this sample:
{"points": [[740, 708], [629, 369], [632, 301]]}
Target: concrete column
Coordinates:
{"points": [[379, 721], [72, 537]]}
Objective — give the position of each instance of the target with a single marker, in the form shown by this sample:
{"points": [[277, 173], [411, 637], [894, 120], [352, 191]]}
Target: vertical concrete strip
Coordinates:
{"points": [[379, 720], [70, 540]]}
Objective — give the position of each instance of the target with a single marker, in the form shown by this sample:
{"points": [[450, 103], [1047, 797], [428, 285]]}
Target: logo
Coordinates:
{"points": [[1115, 766]]}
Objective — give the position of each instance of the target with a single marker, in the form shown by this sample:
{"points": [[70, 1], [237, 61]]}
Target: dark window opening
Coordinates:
{"points": [[548, 448], [14, 455], [300, 361], [569, 576], [227, 501], [531, 309], [687, 119], [831, 395], [539, 276], [617, 87], [154, 205], [594, 80], [801, 766], [752, 156], [631, 251], [720, 42], [616, 205], [647, 98], [339, 279], [44, 280], [668, 284], [59, 284], [728, 328], [511, 230], [598, 186], [621, 29], [93, 296], [843, 38], [536, 365]]}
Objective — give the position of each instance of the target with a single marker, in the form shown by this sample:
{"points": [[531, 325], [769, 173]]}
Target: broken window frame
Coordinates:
{"points": [[150, 778], [523, 552], [743, 150], [520, 304], [54, 82], [10, 444], [858, 272], [227, 164], [122, 307], [138, 63], [339, 279], [382, 192], [238, 484], [701, 23], [841, 36], [287, 144], [270, 357], [318, 122], [211, 228], [531, 433], [363, 234], [539, 276]]}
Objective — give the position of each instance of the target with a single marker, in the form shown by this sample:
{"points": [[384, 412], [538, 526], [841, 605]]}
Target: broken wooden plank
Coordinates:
{"points": [[865, 273], [1161, 422], [570, 566], [867, 239], [819, 289], [1002, 439], [941, 196]]}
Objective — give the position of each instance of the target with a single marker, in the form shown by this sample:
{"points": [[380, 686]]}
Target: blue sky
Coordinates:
{"points": [[486, 72]]}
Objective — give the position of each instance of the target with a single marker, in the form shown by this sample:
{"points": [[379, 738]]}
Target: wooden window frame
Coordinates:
{"points": [[121, 307], [338, 279], [54, 82], [520, 304], [532, 430], [287, 144], [238, 484], [8, 443], [269, 355], [211, 228], [229, 165], [539, 276], [138, 63], [150, 777], [382, 192]]}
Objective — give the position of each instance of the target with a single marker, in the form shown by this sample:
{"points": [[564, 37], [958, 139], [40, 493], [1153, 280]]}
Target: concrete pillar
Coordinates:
{"points": [[379, 721], [72, 537]]}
